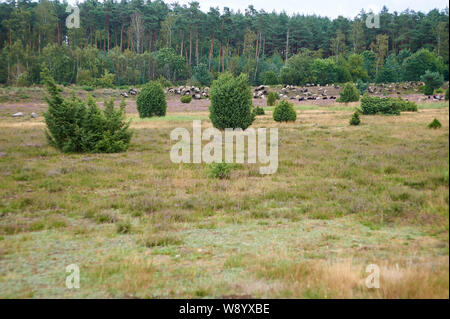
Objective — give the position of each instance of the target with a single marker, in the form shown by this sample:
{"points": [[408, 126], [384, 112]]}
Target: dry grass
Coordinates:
{"points": [[343, 197], [347, 279]]}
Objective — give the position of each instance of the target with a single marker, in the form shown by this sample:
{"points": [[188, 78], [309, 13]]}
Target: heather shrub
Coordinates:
{"points": [[284, 112], [151, 101], [123, 227], [231, 102]]}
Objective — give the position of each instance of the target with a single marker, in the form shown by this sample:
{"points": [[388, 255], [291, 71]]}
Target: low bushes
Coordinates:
{"points": [[73, 126], [405, 106], [151, 101], [284, 112], [386, 105], [186, 99], [349, 94], [376, 105]]}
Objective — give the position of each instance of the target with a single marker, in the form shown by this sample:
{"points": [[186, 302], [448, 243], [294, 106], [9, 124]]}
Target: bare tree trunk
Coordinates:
{"points": [[182, 44], [196, 48], [121, 38], [211, 49], [257, 57], [287, 45], [190, 46], [220, 51], [58, 27]]}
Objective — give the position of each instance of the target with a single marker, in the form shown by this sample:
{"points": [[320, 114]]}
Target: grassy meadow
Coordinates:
{"points": [[140, 226]]}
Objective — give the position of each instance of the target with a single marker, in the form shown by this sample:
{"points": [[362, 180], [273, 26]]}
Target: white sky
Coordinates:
{"points": [[330, 8]]}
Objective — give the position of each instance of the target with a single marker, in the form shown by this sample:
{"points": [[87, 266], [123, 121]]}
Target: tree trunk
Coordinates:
{"points": [[220, 51], [121, 38], [196, 49], [190, 46], [182, 44], [211, 51], [58, 27], [257, 57], [287, 45]]}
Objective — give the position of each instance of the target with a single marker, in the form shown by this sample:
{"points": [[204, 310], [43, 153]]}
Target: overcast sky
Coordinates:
{"points": [[330, 8]]}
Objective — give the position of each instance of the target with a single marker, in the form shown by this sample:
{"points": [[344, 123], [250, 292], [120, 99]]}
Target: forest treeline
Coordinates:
{"points": [[130, 42]]}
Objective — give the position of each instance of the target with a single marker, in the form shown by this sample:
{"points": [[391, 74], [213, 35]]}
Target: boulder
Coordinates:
{"points": [[33, 115], [18, 114]]}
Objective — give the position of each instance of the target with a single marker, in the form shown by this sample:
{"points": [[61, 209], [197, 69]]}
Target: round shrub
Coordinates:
{"points": [[231, 102], [258, 111], [355, 119], [186, 99], [272, 97], [349, 94], [284, 112], [151, 101]]}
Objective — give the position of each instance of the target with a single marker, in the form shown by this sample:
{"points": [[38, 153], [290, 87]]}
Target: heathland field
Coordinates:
{"points": [[138, 225]]}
